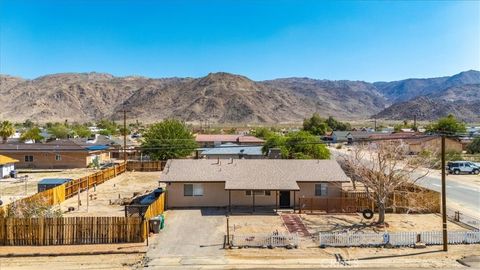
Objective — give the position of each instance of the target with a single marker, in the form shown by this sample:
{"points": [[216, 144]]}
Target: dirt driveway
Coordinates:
{"points": [[191, 237]]}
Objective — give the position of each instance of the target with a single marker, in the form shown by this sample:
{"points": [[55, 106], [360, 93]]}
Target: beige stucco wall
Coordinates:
{"points": [[215, 195]]}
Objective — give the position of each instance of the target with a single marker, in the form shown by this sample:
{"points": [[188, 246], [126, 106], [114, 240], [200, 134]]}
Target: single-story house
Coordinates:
{"points": [[210, 140], [433, 143], [58, 154], [7, 164], [248, 182], [231, 150]]}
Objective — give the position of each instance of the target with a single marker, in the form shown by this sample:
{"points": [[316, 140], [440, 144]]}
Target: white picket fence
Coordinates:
{"points": [[264, 240], [399, 239]]}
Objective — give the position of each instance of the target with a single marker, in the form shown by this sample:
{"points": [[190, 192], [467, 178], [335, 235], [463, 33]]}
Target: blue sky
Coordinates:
{"points": [[356, 40]]}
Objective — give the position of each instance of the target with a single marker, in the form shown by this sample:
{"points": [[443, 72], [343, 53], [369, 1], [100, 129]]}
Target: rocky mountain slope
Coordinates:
{"points": [[226, 98], [461, 101]]}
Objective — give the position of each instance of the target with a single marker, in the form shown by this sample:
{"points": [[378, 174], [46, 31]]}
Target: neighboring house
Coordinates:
{"points": [[59, 154], [341, 136], [210, 140], [247, 182], [231, 150], [433, 144], [7, 164]]}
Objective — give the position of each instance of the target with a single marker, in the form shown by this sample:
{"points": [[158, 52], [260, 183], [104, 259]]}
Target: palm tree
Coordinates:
{"points": [[6, 130]]}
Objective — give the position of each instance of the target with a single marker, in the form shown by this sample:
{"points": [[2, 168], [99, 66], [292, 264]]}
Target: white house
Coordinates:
{"points": [[7, 165]]}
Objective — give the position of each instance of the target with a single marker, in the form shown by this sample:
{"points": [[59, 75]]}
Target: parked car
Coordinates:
{"points": [[465, 167]]}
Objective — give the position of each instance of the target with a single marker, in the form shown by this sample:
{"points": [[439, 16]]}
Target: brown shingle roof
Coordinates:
{"points": [[246, 174]]}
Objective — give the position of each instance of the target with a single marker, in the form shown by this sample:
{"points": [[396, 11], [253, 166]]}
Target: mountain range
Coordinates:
{"points": [[229, 98]]}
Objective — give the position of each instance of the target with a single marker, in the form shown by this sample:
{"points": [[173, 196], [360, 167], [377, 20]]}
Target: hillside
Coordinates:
{"points": [[228, 98], [461, 101]]}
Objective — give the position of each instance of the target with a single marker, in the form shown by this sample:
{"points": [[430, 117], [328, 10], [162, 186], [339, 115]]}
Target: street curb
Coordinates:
{"points": [[14, 255]]}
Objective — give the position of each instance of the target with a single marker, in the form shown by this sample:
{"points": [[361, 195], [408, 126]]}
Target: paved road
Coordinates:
{"points": [[460, 196], [466, 196], [191, 236]]}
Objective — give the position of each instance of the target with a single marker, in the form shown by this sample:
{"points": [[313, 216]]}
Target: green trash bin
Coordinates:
{"points": [[162, 221]]}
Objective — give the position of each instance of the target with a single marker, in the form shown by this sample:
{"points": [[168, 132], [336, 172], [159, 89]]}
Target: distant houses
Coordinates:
{"points": [[59, 154], [232, 150], [211, 140]]}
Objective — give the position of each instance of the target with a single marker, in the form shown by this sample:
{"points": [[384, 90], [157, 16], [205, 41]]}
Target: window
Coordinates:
{"points": [[58, 157], [28, 158], [257, 192], [321, 189], [192, 190]]}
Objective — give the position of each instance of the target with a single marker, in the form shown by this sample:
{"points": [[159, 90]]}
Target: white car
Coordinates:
{"points": [[465, 167]]}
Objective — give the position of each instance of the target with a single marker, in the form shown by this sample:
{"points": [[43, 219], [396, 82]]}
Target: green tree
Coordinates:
{"points": [[124, 131], [303, 145], [82, 131], [276, 141], [59, 131], [474, 146], [28, 124], [33, 134], [262, 132], [447, 125], [297, 145], [315, 125], [337, 125], [168, 139], [7, 129], [108, 127]]}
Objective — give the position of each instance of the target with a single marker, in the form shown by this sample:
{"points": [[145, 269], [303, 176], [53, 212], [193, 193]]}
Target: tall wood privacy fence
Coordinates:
{"points": [[406, 199], [146, 166], [154, 209], [70, 231]]}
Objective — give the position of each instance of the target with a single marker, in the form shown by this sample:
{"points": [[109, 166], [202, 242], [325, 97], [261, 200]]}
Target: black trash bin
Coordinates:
{"points": [[155, 224], [13, 174]]}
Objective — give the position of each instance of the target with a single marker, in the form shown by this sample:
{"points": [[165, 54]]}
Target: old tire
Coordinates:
{"points": [[367, 214]]}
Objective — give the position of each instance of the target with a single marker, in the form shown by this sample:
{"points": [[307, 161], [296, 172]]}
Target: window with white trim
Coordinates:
{"points": [[193, 190], [58, 157], [28, 158], [258, 192], [321, 189]]}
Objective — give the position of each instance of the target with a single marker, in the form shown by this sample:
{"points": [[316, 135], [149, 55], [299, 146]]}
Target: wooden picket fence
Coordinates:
{"points": [[70, 231], [398, 239], [146, 165]]}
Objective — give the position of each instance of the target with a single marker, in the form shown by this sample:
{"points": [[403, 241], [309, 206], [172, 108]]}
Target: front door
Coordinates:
{"points": [[284, 199]]}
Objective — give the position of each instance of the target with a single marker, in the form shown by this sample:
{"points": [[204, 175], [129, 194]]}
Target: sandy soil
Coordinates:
{"points": [[400, 258], [111, 262], [14, 189], [396, 223], [122, 186], [256, 224]]}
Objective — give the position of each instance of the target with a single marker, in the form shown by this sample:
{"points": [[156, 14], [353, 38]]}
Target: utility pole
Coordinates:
{"points": [[415, 122], [444, 198], [125, 137]]}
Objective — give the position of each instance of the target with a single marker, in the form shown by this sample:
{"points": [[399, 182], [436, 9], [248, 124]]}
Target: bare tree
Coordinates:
{"points": [[382, 167], [32, 209]]}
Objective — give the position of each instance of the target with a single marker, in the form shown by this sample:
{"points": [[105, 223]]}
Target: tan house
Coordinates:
{"points": [[60, 154], [231, 183], [433, 144]]}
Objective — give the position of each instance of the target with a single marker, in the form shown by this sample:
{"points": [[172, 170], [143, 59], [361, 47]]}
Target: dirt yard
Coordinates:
{"points": [[396, 223], [244, 224], [122, 186], [14, 189]]}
